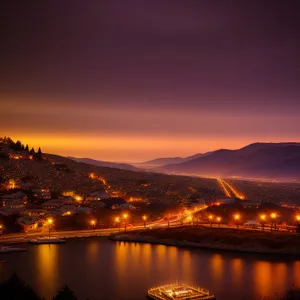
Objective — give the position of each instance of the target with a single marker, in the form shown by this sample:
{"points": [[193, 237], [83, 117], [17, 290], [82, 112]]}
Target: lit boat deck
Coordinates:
{"points": [[179, 292]]}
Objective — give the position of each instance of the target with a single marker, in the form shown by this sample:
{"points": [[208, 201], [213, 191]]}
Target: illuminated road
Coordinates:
{"points": [[229, 190], [173, 220], [234, 191], [224, 188]]}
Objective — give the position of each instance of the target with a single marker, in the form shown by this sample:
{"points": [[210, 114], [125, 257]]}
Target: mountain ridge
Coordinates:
{"points": [[272, 160]]}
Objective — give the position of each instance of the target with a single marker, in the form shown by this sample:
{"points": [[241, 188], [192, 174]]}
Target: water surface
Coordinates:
{"points": [[97, 268]]}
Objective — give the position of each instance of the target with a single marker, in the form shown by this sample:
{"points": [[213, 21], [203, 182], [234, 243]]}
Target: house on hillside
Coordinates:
{"points": [[34, 212], [52, 204], [96, 196], [28, 223], [43, 194]]}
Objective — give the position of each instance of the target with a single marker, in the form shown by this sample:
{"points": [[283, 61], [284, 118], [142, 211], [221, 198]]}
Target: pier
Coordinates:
{"points": [[179, 292]]}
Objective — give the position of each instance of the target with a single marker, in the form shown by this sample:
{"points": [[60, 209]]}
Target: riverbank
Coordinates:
{"points": [[220, 239], [79, 234]]}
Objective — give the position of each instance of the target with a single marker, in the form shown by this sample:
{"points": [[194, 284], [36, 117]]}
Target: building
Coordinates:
{"points": [[96, 196], [28, 223], [34, 212], [52, 204], [43, 194], [14, 200]]}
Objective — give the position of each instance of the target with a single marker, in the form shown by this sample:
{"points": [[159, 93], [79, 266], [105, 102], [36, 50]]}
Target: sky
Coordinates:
{"points": [[131, 80]]}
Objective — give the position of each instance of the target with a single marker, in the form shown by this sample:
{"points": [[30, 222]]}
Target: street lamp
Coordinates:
{"points": [[50, 221], [298, 223], [211, 219], [263, 219], [93, 223], [237, 218], [219, 219], [117, 220], [125, 216], [144, 219], [273, 217], [1, 228]]}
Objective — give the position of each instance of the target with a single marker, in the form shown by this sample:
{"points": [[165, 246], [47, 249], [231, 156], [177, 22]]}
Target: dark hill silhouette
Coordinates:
{"points": [[171, 160], [269, 160], [100, 163]]}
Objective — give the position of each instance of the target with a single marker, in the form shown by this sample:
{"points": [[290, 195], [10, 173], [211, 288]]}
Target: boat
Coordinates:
{"points": [[179, 291], [44, 240], [5, 249]]}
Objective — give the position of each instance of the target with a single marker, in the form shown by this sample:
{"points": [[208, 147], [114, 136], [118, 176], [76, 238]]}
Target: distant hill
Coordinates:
{"points": [[100, 163], [163, 161], [259, 160], [170, 160]]}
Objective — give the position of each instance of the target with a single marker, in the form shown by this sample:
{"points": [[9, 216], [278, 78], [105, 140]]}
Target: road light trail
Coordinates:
{"points": [[225, 190], [233, 190]]}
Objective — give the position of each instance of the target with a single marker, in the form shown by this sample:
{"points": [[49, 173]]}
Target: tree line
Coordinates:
{"points": [[18, 146], [16, 289]]}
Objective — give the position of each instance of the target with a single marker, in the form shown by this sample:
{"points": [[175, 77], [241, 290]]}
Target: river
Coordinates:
{"points": [[97, 268]]}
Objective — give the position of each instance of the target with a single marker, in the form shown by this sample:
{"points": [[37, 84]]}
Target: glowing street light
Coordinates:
{"points": [[237, 218], [144, 219], [219, 219], [298, 222], [211, 219], [93, 223], [50, 222], [117, 220], [1, 228], [273, 218], [125, 216], [262, 220], [78, 198]]}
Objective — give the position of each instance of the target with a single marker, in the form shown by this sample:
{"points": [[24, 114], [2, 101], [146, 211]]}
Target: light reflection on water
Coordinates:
{"points": [[101, 269]]}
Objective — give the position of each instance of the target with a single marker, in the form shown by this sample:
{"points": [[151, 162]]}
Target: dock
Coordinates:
{"points": [[179, 292]]}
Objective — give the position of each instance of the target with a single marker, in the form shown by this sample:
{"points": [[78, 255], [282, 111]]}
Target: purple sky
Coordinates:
{"points": [[134, 80]]}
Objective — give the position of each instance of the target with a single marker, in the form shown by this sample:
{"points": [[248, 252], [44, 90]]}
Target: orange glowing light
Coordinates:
{"points": [[236, 217], [78, 198], [125, 216], [219, 219], [50, 221], [144, 217], [263, 217], [273, 215], [298, 218], [117, 219]]}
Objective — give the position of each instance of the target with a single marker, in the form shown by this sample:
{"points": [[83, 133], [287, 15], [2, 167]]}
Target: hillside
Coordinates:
{"points": [[260, 160], [101, 163], [63, 174]]}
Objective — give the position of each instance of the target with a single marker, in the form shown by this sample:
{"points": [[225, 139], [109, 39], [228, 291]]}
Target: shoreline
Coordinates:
{"points": [[204, 246], [135, 237], [26, 240]]}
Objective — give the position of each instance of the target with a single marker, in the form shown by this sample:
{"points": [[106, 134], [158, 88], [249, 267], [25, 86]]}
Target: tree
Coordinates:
{"points": [[27, 148], [18, 145], [65, 294], [32, 151], [15, 288], [39, 155]]}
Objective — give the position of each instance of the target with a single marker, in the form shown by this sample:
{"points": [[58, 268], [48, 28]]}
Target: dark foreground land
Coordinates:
{"points": [[219, 239]]}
